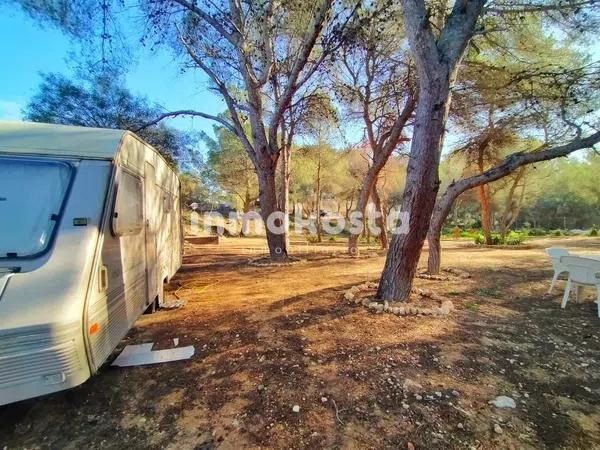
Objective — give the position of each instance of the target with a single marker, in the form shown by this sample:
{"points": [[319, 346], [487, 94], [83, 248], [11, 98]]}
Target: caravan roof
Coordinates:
{"points": [[60, 140]]}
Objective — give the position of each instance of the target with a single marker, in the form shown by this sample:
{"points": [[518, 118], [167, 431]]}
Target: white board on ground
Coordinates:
{"points": [[142, 354]]}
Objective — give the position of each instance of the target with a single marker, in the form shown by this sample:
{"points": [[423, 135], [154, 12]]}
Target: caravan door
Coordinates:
{"points": [[151, 209]]}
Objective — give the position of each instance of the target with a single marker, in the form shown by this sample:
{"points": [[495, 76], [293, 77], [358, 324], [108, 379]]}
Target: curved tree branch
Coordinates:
{"points": [[186, 112]]}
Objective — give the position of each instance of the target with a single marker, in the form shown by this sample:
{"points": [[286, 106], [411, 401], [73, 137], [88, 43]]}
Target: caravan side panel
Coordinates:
{"points": [[132, 267], [118, 293]]}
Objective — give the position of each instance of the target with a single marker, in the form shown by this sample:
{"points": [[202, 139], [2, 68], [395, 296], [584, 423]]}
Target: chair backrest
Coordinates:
{"points": [[555, 253], [582, 270]]}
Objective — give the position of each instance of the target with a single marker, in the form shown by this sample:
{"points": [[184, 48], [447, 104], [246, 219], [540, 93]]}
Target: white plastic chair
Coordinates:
{"points": [[555, 253], [582, 272]]}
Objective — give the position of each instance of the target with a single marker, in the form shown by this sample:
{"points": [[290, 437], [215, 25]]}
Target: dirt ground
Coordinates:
{"points": [[268, 339]]}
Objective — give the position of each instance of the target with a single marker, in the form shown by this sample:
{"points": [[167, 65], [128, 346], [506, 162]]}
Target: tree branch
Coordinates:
{"points": [[186, 112], [521, 8], [233, 38], [517, 160]]}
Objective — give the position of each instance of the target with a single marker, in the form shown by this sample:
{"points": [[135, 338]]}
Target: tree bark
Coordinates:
{"points": [[422, 184], [381, 220], [284, 193], [434, 259], [436, 61], [485, 214], [440, 212], [276, 241]]}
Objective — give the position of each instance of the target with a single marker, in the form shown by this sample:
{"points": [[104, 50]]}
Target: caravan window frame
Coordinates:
{"points": [[72, 168], [114, 213]]}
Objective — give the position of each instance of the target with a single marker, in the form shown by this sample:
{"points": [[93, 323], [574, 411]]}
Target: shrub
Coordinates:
{"points": [[536, 232], [332, 239], [479, 239], [514, 238], [594, 232], [557, 233], [497, 239]]}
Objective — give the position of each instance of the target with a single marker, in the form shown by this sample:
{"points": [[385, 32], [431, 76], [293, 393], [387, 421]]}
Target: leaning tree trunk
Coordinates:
{"points": [[276, 239], [361, 207], [440, 213], [508, 166], [381, 220]]}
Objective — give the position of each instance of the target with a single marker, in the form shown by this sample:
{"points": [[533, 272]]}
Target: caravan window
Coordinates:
{"points": [[128, 213], [32, 193]]}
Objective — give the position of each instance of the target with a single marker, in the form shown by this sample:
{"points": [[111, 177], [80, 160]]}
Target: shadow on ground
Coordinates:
{"points": [[344, 367]]}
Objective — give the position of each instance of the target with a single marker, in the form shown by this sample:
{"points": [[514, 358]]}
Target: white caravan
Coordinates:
{"points": [[89, 232]]}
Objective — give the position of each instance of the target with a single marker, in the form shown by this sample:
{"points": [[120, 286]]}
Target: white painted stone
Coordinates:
{"points": [[502, 401]]}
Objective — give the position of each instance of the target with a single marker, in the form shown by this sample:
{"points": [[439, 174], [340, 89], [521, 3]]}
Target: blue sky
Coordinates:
{"points": [[33, 49], [36, 48]]}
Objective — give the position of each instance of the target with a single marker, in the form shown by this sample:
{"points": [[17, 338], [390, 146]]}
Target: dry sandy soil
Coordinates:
{"points": [[268, 339]]}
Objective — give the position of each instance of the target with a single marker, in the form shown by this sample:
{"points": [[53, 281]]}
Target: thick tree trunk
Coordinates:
{"points": [[381, 219], [486, 225], [434, 258], [422, 185], [361, 207], [276, 239]]}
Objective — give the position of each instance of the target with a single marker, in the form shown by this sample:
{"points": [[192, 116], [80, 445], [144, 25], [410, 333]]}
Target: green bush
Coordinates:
{"points": [[557, 233], [497, 239], [536, 232], [479, 239], [332, 239], [514, 238], [594, 232]]}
